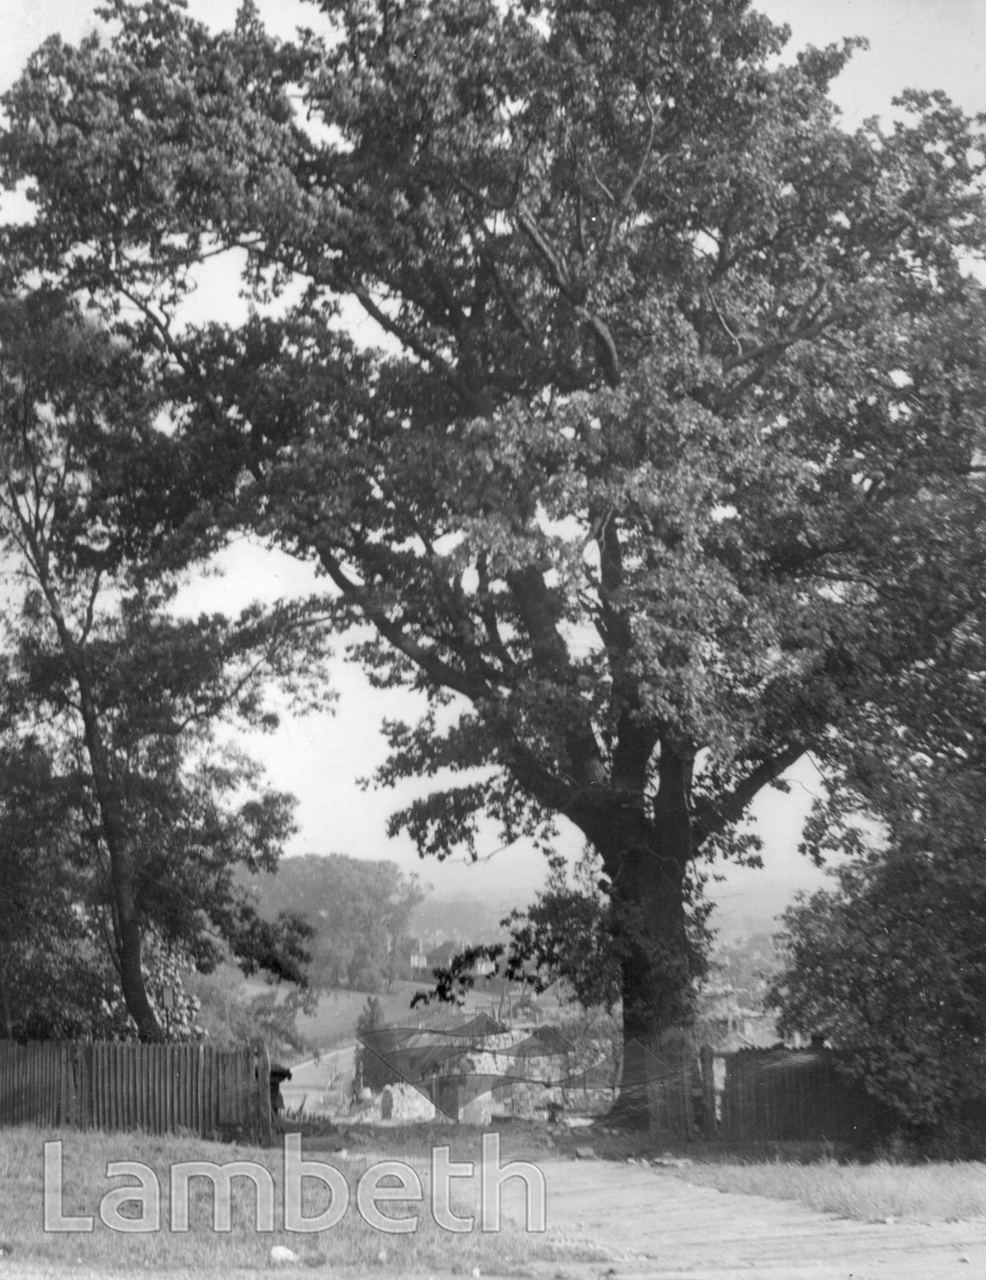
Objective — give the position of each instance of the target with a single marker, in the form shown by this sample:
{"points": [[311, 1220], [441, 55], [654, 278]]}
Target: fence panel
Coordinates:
{"points": [[162, 1088], [794, 1095]]}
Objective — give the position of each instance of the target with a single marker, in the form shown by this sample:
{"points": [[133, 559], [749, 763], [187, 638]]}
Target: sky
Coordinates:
{"points": [[913, 43]]}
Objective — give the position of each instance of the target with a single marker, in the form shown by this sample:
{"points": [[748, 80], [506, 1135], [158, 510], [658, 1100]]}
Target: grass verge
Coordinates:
{"points": [[863, 1192], [351, 1244]]}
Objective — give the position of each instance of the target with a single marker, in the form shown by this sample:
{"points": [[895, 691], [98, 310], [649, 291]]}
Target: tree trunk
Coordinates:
{"points": [[647, 860], [128, 931], [655, 957], [128, 934], [132, 977]]}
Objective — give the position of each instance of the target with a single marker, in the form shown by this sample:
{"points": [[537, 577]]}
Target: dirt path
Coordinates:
{"points": [[650, 1223], [315, 1083]]}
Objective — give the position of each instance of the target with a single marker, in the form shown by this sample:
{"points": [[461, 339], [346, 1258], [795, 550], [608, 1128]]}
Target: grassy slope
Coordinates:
{"points": [[352, 1243], [334, 1023]]}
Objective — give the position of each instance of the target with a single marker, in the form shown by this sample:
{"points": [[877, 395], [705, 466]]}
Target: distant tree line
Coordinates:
{"points": [[359, 913]]}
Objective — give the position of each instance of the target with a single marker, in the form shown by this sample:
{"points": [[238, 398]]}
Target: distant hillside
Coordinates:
{"points": [[740, 912], [754, 910], [461, 918]]}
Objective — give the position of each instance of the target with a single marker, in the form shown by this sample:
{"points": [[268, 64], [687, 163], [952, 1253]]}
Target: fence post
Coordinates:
{"points": [[264, 1118], [727, 1128], [706, 1060], [688, 1064]]}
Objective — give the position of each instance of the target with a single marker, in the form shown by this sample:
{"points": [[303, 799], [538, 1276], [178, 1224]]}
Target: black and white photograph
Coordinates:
{"points": [[493, 639]]}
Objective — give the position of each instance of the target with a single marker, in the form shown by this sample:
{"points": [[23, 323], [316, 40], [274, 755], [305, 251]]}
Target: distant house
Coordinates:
{"points": [[440, 956]]}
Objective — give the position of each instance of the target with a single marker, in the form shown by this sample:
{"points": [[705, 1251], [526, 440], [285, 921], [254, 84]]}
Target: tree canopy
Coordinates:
{"points": [[668, 469], [122, 814]]}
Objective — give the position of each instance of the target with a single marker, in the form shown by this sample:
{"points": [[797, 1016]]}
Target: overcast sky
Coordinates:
{"points": [[913, 43]]}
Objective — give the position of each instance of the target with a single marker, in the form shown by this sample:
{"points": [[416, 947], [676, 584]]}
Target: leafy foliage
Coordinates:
{"points": [[57, 979], [358, 912], [372, 1071], [670, 472], [890, 964], [231, 1013], [570, 934], [112, 764]]}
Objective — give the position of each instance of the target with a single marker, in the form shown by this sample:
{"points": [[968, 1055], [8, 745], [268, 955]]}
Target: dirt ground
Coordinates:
{"points": [[650, 1223]]}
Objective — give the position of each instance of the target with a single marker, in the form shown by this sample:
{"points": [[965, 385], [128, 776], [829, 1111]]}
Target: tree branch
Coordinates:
{"points": [[408, 339], [430, 663], [715, 817], [609, 359]]}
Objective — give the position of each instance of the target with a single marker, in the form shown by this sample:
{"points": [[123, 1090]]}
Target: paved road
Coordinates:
{"points": [[315, 1084], [651, 1223]]}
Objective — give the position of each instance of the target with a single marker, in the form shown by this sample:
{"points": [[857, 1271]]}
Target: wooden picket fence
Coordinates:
{"points": [[160, 1088]]}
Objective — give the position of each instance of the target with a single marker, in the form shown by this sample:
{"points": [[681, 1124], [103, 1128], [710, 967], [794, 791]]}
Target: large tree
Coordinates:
{"points": [[123, 812], [667, 465]]}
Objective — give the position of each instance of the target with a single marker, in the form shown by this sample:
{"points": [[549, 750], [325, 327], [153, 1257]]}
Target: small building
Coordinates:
{"points": [[439, 957]]}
